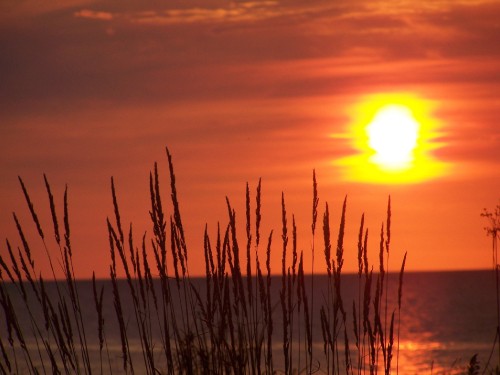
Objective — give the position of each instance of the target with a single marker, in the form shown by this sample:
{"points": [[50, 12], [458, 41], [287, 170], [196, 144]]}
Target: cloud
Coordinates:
{"points": [[242, 50], [233, 13], [236, 13], [94, 15]]}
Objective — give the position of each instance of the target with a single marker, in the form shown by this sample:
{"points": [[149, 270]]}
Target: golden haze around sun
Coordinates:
{"points": [[393, 137]]}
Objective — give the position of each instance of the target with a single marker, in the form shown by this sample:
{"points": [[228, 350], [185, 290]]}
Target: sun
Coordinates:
{"points": [[393, 135], [393, 139]]}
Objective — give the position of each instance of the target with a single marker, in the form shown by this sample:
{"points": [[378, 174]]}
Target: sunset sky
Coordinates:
{"points": [[242, 90]]}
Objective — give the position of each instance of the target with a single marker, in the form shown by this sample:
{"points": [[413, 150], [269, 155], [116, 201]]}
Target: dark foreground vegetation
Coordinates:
{"points": [[232, 324]]}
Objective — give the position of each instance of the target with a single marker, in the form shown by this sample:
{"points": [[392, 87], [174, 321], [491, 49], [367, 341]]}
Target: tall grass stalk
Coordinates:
{"points": [[315, 202], [400, 295]]}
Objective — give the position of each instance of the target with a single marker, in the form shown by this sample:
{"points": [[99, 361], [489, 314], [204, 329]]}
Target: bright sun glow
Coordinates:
{"points": [[393, 135], [393, 138]]}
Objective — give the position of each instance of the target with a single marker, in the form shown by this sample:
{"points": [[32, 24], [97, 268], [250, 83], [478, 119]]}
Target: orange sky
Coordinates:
{"points": [[240, 90]]}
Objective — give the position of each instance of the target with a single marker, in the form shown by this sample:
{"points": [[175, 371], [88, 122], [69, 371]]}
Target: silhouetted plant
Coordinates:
{"points": [[227, 326], [493, 231], [473, 367]]}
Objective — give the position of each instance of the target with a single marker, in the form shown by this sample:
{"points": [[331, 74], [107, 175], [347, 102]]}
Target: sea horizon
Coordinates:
{"points": [[446, 317]]}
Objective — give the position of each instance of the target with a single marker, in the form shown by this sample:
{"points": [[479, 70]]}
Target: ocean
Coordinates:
{"points": [[445, 319]]}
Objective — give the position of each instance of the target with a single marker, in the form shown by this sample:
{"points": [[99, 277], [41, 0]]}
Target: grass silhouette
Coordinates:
{"points": [[231, 323]]}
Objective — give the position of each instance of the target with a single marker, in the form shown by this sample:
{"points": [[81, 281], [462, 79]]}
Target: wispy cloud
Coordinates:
{"points": [[236, 12], [176, 52], [232, 13], [94, 15]]}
